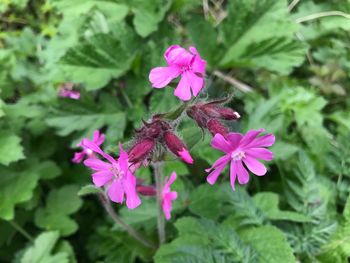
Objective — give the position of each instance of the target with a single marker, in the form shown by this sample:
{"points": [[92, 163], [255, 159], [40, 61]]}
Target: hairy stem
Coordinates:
{"points": [[235, 82], [158, 171], [21, 230], [131, 231]]}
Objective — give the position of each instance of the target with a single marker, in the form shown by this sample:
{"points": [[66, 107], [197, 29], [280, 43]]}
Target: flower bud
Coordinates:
{"points": [[220, 112], [195, 113], [215, 126], [177, 147], [140, 151], [146, 190]]}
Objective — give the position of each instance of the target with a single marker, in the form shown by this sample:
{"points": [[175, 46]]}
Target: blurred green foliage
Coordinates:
{"points": [[297, 67]]}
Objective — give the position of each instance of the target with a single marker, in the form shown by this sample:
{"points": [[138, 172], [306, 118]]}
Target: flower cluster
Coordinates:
{"points": [[158, 135]]}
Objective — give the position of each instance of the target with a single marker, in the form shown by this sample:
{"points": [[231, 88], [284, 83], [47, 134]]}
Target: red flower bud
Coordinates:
{"points": [[215, 126], [177, 147], [195, 113], [146, 190], [140, 151], [220, 112]]}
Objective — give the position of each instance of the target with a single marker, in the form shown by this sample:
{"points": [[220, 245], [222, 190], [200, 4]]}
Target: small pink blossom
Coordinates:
{"points": [[188, 64], [66, 91], [115, 175], [98, 139], [241, 149], [168, 196]]}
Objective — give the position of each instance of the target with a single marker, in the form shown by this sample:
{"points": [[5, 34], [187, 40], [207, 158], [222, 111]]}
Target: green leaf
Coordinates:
{"points": [[203, 197], [147, 16], [89, 189], [96, 60], [41, 251], [70, 122], [270, 244], [11, 149], [16, 187], [262, 36], [59, 205], [205, 241], [268, 202]]}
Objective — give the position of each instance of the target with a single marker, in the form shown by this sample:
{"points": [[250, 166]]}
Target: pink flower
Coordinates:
{"points": [[188, 64], [98, 139], [241, 149], [66, 91], [168, 196], [115, 175]]}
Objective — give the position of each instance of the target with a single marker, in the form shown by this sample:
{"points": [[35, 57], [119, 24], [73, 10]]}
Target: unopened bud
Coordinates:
{"points": [[146, 190], [177, 147], [220, 112], [140, 151], [195, 113], [215, 126]]}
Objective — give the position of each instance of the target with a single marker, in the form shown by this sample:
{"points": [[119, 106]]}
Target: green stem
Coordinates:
{"points": [[132, 232], [21, 230], [126, 97], [158, 172]]}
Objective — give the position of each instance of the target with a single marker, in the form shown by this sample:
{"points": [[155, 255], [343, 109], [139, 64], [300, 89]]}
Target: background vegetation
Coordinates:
{"points": [[288, 66]]}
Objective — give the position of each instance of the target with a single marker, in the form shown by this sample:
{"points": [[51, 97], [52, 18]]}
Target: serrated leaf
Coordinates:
{"points": [[259, 34], [270, 244], [15, 187], [59, 205], [96, 60], [11, 149], [203, 197], [41, 251], [268, 203]]}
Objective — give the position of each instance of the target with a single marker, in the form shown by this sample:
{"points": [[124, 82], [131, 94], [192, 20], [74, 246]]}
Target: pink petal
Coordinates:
{"points": [[92, 146], [242, 173], [254, 166], [234, 139], [219, 142], [196, 82], [98, 138], [132, 199], [167, 206], [176, 55], [263, 141], [162, 76], [116, 191], [259, 153], [166, 187], [78, 157], [183, 89], [213, 176], [123, 159], [250, 136], [222, 160], [97, 165], [185, 155], [198, 64], [233, 172], [101, 178]]}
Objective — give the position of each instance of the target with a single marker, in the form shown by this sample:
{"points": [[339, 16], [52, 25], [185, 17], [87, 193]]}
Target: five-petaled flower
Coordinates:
{"points": [[98, 139], [115, 175], [241, 149], [168, 196], [188, 64]]}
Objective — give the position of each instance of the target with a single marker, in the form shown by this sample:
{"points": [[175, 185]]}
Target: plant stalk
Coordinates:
{"points": [[158, 172], [131, 231], [21, 230]]}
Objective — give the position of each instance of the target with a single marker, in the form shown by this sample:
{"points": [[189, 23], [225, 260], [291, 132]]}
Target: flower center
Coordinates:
{"points": [[186, 68], [118, 174], [237, 155], [89, 152]]}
